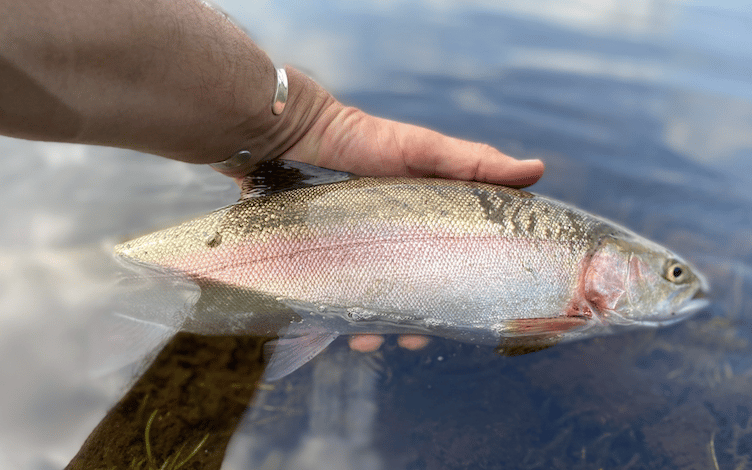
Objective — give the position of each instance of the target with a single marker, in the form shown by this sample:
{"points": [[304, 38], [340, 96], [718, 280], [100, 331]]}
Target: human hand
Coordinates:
{"points": [[317, 129], [347, 139]]}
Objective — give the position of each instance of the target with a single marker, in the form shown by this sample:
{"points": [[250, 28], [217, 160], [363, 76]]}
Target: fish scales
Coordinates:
{"points": [[464, 206], [431, 255], [353, 244]]}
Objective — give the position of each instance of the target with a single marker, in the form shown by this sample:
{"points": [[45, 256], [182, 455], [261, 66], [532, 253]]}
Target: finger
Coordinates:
{"points": [[365, 343], [429, 153], [412, 342]]}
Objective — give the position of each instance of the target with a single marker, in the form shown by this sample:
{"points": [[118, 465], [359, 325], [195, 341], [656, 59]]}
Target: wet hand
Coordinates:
{"points": [[347, 139]]}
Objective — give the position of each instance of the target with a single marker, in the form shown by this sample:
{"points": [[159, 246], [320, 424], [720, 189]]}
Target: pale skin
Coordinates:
{"points": [[178, 79]]}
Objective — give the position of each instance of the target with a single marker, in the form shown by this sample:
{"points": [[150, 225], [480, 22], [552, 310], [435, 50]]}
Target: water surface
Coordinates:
{"points": [[642, 113]]}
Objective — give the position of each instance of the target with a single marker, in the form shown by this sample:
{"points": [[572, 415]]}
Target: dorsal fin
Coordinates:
{"points": [[275, 176]]}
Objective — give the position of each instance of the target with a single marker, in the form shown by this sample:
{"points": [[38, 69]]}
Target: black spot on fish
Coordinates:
{"points": [[213, 240], [573, 226], [532, 220], [494, 204]]}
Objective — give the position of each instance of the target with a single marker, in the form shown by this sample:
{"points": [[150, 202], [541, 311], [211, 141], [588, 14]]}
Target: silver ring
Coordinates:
{"points": [[232, 166], [280, 94]]}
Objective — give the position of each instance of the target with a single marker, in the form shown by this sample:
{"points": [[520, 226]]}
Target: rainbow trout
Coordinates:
{"points": [[325, 253]]}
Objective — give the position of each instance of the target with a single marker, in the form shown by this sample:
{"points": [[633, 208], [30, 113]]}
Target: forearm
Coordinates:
{"points": [[170, 77]]}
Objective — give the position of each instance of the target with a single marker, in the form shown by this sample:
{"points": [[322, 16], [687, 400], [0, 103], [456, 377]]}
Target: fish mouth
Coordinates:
{"points": [[698, 302], [691, 306]]}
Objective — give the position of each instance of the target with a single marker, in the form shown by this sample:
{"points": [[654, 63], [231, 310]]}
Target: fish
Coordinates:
{"points": [[308, 255]]}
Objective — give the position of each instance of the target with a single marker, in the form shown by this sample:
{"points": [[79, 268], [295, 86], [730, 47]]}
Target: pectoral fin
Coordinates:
{"points": [[288, 354], [524, 336]]}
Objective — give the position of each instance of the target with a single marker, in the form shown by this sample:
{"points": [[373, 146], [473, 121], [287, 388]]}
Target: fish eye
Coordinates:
{"points": [[676, 272]]}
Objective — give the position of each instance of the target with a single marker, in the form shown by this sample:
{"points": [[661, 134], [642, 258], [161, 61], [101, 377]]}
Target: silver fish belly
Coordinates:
{"points": [[466, 260]]}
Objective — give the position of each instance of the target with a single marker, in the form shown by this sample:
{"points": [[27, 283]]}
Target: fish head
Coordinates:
{"points": [[633, 281]]}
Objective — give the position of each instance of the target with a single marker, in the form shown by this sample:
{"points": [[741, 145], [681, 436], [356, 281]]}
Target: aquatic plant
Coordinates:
{"points": [[173, 462]]}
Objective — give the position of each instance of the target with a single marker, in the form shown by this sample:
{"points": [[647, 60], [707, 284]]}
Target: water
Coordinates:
{"points": [[643, 114]]}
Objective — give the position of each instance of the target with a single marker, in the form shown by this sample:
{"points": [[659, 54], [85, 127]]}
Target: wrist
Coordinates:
{"points": [[266, 135], [307, 102]]}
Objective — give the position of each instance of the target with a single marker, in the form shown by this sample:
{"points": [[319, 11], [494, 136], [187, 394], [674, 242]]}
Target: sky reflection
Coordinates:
{"points": [[642, 112]]}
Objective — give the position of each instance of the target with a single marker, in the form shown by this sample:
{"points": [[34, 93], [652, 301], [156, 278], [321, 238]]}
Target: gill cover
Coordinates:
{"points": [[632, 281]]}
